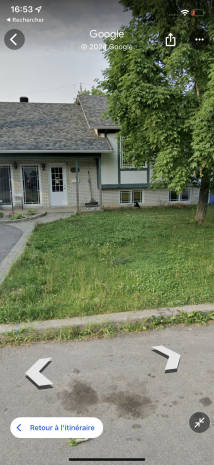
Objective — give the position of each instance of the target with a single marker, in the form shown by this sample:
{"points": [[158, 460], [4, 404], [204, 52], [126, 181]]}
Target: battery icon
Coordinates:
{"points": [[197, 12]]}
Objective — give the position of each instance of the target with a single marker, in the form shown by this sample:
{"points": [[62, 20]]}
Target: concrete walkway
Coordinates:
{"points": [[8, 239], [26, 228]]}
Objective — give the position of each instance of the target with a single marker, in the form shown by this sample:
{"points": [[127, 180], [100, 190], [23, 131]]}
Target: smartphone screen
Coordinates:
{"points": [[59, 47], [106, 177]]}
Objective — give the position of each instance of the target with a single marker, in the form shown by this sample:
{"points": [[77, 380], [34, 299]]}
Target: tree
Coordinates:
{"points": [[94, 91], [163, 96]]}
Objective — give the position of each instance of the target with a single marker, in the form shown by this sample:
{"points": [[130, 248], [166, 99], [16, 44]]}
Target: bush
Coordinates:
{"points": [[18, 216], [31, 212], [1, 214]]}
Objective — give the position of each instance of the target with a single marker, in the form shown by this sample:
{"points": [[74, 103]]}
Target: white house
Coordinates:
{"points": [[45, 148]]}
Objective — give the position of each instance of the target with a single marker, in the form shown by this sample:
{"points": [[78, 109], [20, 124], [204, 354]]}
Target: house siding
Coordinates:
{"points": [[109, 162], [132, 177], [85, 165], [195, 195], [110, 197]]}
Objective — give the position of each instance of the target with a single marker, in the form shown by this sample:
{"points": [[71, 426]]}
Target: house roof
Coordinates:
{"points": [[26, 126], [93, 106]]}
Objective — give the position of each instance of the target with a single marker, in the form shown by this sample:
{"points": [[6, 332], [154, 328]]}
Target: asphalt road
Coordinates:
{"points": [[8, 238], [145, 412]]}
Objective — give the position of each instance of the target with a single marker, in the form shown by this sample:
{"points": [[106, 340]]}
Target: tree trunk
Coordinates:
{"points": [[203, 200]]}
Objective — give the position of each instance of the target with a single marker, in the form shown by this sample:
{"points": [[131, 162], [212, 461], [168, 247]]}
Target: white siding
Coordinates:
{"points": [[109, 167], [150, 174], [133, 177], [109, 163]]}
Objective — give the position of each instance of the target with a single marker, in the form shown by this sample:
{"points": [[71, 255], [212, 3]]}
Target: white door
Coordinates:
{"points": [[58, 185]]}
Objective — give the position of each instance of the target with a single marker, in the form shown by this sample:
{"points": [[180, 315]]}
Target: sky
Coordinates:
{"points": [[51, 64]]}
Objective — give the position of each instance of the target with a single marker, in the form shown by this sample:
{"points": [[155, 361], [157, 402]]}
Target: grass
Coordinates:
{"points": [[30, 336], [109, 262]]}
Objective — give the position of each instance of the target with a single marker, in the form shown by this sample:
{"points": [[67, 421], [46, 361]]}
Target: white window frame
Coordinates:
{"points": [[130, 196], [122, 164], [179, 197], [137, 190], [131, 192]]}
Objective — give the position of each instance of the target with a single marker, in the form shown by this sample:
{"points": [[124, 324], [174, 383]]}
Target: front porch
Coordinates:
{"points": [[53, 182]]}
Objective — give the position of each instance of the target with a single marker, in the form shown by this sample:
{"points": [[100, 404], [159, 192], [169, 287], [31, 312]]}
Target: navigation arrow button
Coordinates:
{"points": [[174, 358], [18, 428], [13, 40], [34, 375], [14, 34]]}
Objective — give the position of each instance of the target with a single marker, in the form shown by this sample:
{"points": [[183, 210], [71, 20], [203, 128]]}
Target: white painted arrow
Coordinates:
{"points": [[13, 40], [174, 358], [34, 373]]}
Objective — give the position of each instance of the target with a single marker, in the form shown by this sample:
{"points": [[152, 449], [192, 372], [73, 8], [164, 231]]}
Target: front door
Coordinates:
{"points": [[58, 185]]}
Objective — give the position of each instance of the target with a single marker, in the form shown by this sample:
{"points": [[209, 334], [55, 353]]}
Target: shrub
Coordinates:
{"points": [[31, 212], [1, 214], [18, 216]]}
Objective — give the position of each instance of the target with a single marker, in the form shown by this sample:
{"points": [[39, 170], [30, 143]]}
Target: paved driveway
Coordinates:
{"points": [[8, 238]]}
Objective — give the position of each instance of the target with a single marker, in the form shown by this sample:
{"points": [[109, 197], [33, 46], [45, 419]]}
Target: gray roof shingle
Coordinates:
{"points": [[93, 106], [47, 126]]}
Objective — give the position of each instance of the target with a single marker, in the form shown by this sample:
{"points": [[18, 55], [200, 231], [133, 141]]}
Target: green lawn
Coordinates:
{"points": [[112, 261]]}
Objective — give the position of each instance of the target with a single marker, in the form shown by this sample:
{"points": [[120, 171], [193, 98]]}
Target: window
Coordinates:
{"points": [[173, 197], [183, 197], [57, 179], [137, 196], [129, 197], [123, 163], [30, 179], [5, 185], [125, 197]]}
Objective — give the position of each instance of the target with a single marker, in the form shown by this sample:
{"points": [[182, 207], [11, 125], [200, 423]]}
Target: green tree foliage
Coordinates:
{"points": [[94, 91], [163, 96]]}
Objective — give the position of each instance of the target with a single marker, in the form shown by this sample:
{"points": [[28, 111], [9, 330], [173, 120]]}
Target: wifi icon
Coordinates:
{"points": [[184, 12]]}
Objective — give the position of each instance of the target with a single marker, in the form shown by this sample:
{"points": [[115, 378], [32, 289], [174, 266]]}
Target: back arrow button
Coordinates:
{"points": [[13, 40], [19, 39], [18, 428]]}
